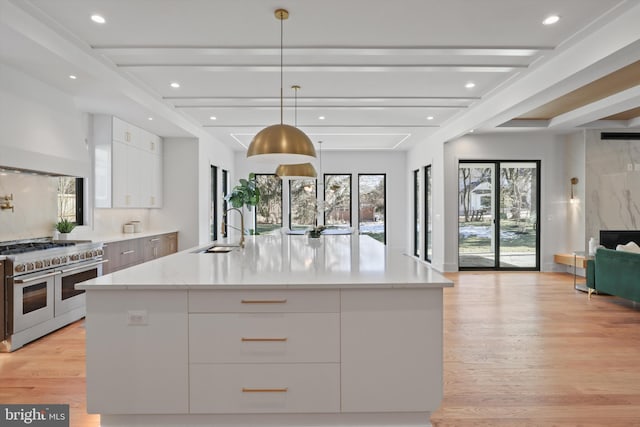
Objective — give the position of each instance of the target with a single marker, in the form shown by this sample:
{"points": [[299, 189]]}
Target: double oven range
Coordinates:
{"points": [[39, 286]]}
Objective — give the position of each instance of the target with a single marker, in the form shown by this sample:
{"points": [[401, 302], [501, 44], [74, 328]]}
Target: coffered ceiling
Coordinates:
{"points": [[374, 74]]}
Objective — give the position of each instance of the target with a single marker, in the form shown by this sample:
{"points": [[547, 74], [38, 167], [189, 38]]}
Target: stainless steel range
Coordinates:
{"points": [[39, 286]]}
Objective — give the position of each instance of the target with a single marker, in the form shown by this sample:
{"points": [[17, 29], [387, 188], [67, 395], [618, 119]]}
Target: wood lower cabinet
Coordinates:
{"points": [[126, 253]]}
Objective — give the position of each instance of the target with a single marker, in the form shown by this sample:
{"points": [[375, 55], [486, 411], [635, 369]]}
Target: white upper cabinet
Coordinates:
{"points": [[128, 165]]}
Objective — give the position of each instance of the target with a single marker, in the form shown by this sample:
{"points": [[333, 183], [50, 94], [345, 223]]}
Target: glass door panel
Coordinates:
{"points": [[518, 214], [476, 225]]}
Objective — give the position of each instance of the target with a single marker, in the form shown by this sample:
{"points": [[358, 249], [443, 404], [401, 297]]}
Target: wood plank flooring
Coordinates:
{"points": [[520, 349]]}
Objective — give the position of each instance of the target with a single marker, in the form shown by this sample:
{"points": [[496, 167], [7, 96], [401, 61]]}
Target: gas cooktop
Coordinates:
{"points": [[17, 247]]}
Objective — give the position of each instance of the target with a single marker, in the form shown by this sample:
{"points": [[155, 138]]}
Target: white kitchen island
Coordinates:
{"points": [[289, 331]]}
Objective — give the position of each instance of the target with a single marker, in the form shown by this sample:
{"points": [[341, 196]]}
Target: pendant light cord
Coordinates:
{"points": [[295, 109], [281, 72]]}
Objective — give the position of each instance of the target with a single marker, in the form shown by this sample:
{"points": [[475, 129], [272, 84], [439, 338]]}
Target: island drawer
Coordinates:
{"points": [[264, 337], [267, 301], [234, 389]]}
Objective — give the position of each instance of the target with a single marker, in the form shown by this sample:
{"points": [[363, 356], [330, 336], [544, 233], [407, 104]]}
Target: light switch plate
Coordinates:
{"points": [[138, 317]]}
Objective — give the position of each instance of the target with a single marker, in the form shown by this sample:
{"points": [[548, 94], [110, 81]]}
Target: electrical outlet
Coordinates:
{"points": [[137, 317]]}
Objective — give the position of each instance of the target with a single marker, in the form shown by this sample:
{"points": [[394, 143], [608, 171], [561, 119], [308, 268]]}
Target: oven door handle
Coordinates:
{"points": [[84, 266], [32, 279]]}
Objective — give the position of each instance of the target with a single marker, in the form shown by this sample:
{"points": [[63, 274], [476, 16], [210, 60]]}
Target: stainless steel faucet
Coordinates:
{"points": [[224, 224]]}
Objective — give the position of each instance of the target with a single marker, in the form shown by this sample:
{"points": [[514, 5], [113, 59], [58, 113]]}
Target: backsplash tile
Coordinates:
{"points": [[35, 206]]}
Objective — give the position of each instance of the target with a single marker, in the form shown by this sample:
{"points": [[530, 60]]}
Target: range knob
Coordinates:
{"points": [[39, 264], [100, 251], [47, 262], [75, 257], [19, 268], [55, 261], [30, 266], [90, 254]]}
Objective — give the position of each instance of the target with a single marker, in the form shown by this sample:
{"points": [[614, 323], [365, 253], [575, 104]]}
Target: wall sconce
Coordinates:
{"points": [[5, 202], [574, 182]]}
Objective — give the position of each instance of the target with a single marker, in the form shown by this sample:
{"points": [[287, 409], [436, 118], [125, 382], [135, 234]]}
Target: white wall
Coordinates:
{"points": [[181, 191], [211, 152], [554, 198], [575, 161], [417, 158], [393, 164]]}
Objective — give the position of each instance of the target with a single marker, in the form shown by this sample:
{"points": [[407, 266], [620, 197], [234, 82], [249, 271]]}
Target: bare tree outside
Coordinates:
{"points": [[337, 196], [67, 198], [371, 206], [269, 209], [304, 204]]}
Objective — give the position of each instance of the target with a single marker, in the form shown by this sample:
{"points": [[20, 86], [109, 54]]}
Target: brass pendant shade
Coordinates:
{"points": [[297, 171], [281, 144]]}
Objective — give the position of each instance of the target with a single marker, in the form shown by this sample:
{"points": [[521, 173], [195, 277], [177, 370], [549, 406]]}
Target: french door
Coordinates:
{"points": [[498, 215]]}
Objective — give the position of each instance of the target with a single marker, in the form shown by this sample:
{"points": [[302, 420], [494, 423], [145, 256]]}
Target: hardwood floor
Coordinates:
{"points": [[520, 349]]}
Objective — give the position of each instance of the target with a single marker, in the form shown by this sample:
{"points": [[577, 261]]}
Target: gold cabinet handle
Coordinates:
{"points": [[264, 390], [245, 339], [263, 301]]}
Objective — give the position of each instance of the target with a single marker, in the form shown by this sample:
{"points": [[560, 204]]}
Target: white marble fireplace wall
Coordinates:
{"points": [[612, 184]]}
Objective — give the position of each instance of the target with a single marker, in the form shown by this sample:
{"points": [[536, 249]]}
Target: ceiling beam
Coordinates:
{"points": [[321, 50], [621, 101], [312, 107], [437, 68]]}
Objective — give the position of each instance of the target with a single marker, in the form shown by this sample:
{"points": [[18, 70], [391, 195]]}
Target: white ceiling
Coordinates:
{"points": [[374, 69]]}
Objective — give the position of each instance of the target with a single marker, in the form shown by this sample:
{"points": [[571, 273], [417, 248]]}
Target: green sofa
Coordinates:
{"points": [[615, 273]]}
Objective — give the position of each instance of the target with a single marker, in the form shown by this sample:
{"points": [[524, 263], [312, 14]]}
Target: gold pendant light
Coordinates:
{"points": [[281, 144], [298, 170]]}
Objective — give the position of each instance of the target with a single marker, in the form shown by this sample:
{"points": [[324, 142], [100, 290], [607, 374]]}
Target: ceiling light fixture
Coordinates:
{"points": [[321, 117], [98, 19], [550, 20], [470, 85], [298, 170], [150, 118], [281, 144], [213, 118], [175, 85], [430, 118], [72, 77]]}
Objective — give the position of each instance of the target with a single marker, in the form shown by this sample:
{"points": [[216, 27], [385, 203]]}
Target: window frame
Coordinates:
{"points": [[324, 197], [384, 175]]}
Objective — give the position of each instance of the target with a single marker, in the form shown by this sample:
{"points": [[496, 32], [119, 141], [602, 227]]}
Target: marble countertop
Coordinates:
{"points": [[279, 262], [116, 237]]}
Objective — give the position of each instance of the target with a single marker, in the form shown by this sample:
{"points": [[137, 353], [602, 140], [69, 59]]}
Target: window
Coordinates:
{"points": [[213, 212], [337, 200], [302, 204], [372, 206], [268, 212], [225, 191], [416, 212], [428, 213], [70, 199]]}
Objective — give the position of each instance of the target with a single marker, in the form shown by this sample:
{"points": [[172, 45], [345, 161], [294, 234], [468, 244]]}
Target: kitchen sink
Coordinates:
{"points": [[221, 249]]}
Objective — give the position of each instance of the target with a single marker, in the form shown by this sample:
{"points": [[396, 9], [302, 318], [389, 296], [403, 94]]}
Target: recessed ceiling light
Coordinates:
{"points": [[98, 19], [470, 85], [472, 130], [150, 118], [175, 85], [213, 118], [551, 19], [430, 118], [321, 117], [72, 77]]}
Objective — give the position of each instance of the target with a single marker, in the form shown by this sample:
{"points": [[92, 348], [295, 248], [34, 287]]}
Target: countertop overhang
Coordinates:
{"points": [[280, 262]]}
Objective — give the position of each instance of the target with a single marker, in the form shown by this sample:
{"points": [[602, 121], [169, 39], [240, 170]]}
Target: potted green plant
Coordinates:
{"points": [[64, 227], [246, 193]]}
